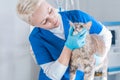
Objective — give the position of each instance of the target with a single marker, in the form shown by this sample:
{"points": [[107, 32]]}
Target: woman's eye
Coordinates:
{"points": [[44, 22], [50, 11]]}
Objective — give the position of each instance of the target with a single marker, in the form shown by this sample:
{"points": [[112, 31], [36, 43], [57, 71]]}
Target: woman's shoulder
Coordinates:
{"points": [[76, 15], [34, 33], [74, 12]]}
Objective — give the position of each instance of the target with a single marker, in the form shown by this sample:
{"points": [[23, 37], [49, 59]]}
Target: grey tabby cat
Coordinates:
{"points": [[83, 58]]}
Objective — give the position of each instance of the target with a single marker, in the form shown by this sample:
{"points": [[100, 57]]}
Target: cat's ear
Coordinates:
{"points": [[71, 24], [88, 25]]}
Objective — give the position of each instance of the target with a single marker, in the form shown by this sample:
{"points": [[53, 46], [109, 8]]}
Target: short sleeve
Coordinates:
{"points": [[41, 54]]}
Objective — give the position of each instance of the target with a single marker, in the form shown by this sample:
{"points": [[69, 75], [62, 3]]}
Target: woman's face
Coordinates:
{"points": [[45, 16]]}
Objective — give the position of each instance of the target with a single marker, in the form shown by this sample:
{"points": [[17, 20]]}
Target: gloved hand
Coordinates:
{"points": [[76, 41]]}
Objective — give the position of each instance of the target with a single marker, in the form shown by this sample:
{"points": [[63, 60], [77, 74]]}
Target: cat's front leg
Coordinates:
{"points": [[72, 75], [73, 69], [89, 76], [105, 67], [89, 72]]}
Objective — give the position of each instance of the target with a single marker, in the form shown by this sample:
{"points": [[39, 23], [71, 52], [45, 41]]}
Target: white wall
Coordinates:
{"points": [[104, 10], [16, 62]]}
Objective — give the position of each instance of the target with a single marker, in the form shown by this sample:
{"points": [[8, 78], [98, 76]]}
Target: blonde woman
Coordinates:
{"points": [[52, 40]]}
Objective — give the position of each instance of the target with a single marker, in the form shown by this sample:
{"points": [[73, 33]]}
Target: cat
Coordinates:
{"points": [[83, 58]]}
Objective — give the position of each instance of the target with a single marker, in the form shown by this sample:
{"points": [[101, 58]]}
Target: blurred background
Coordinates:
{"points": [[16, 60]]}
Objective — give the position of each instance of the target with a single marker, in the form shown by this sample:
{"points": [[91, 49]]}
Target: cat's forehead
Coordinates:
{"points": [[78, 24]]}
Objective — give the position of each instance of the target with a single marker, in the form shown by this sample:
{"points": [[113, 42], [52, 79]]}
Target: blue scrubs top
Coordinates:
{"points": [[47, 47]]}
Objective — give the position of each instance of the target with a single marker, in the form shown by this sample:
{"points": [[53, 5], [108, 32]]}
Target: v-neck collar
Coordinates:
{"points": [[65, 22]]}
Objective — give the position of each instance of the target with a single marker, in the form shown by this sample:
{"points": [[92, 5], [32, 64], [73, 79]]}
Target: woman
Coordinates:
{"points": [[52, 40]]}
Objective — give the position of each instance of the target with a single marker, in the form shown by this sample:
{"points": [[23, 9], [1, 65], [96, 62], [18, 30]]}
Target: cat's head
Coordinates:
{"points": [[79, 26]]}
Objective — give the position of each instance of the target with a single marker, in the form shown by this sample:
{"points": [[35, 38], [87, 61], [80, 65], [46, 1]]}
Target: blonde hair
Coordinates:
{"points": [[25, 9]]}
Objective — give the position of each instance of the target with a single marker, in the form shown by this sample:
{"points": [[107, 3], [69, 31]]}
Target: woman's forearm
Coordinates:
{"points": [[56, 69], [65, 56]]}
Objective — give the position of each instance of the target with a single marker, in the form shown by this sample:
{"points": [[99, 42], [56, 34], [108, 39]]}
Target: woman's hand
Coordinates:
{"points": [[75, 41]]}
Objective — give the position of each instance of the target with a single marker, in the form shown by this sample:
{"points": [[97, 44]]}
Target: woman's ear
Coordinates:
{"points": [[88, 25]]}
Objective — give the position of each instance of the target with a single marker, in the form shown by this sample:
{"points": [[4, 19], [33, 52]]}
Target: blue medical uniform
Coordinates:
{"points": [[47, 47]]}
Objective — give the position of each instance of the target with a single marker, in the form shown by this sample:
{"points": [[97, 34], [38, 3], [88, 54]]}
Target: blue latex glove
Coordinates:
{"points": [[76, 41]]}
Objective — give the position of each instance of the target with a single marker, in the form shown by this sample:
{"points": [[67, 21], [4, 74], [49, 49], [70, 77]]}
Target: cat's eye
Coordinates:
{"points": [[81, 26]]}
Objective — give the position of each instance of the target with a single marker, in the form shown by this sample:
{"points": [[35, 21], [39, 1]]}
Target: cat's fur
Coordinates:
{"points": [[83, 58]]}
